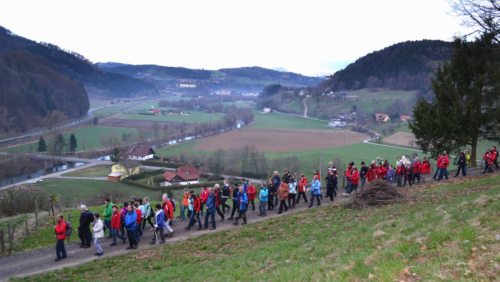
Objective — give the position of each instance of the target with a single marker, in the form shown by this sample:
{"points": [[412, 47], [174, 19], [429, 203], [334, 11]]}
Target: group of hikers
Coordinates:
{"points": [[278, 192]]}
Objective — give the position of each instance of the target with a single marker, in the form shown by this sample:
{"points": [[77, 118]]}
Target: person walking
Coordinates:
{"points": [[218, 201], [263, 199], [131, 226], [236, 196], [443, 169], [147, 213], [86, 218], [354, 179], [363, 171], [168, 208], [272, 194], [195, 215], [116, 226], [60, 230], [417, 169], [276, 183], [184, 204], [108, 212], [315, 191], [210, 209], [98, 229], [252, 193], [242, 207], [302, 188], [494, 156], [292, 192], [439, 160], [160, 225], [203, 197], [462, 164], [226, 193], [331, 182], [283, 196]]}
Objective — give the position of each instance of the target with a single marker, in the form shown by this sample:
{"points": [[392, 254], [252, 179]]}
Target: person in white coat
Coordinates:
{"points": [[98, 234]]}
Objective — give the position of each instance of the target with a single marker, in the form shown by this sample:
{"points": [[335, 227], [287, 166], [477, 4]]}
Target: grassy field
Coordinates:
{"points": [[446, 233], [94, 171], [275, 120], [194, 117], [87, 138], [92, 192]]}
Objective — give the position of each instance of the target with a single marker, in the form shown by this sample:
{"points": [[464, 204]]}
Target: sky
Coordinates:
{"points": [[312, 37]]}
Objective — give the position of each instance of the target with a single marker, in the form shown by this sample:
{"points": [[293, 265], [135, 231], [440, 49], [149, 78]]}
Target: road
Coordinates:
{"points": [[305, 107]]}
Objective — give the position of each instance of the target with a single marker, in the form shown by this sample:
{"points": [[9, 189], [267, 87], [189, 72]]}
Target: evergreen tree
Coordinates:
{"points": [[42, 145], [467, 94], [59, 144], [72, 143]]}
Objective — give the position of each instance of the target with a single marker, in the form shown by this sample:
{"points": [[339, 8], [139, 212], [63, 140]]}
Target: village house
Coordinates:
{"points": [[140, 152], [123, 170], [183, 175], [405, 118], [382, 118]]}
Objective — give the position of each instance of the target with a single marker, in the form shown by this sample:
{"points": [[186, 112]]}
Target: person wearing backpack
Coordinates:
{"points": [[131, 226], [236, 196], [98, 229], [315, 191], [60, 230], [195, 215], [147, 213], [108, 212]]}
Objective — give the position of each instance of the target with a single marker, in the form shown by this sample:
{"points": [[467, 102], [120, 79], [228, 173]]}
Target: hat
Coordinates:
{"points": [[84, 208]]}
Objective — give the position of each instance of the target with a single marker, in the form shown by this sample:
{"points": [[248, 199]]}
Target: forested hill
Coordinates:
{"points": [[404, 66], [245, 78], [75, 66]]}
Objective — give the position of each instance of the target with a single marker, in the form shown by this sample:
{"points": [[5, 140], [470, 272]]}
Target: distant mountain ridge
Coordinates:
{"points": [[404, 66], [244, 78]]}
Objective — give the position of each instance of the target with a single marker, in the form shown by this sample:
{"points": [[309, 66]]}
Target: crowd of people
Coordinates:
{"points": [[279, 192]]}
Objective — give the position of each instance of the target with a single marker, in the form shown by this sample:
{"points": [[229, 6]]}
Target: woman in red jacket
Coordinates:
{"points": [[354, 179], [426, 167], [116, 225], [252, 192], [60, 230], [371, 175], [302, 188]]}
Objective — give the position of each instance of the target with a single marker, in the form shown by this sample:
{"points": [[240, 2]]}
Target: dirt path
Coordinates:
{"points": [[42, 260], [305, 107]]}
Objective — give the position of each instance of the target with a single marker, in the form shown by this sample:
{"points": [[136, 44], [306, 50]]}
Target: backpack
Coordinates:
{"points": [[69, 228]]}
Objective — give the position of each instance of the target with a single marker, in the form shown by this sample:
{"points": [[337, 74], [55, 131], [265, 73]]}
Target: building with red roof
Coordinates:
{"points": [[183, 175]]}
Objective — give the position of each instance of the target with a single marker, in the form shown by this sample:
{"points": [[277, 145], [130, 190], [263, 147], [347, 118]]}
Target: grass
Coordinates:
{"points": [[194, 117], [94, 171], [88, 138], [275, 120], [446, 233]]}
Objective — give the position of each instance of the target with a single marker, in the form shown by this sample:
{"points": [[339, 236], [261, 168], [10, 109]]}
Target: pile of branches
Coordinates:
{"points": [[377, 193]]}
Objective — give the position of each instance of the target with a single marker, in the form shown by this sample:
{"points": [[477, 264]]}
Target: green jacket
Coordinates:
{"points": [[108, 211]]}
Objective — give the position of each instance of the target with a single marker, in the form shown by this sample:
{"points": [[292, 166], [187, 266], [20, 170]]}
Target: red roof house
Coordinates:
{"points": [[140, 152], [183, 175]]}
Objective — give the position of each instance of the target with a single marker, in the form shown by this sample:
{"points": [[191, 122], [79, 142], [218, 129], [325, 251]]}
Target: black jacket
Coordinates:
{"points": [[86, 218]]}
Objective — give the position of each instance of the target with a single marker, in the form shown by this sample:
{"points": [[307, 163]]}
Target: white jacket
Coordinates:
{"points": [[98, 229]]}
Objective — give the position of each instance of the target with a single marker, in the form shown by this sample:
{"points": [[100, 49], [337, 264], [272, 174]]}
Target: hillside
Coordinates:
{"points": [[237, 79], [403, 66], [446, 231], [76, 67], [31, 90]]}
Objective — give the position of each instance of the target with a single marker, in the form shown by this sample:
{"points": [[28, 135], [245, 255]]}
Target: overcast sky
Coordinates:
{"points": [[313, 37]]}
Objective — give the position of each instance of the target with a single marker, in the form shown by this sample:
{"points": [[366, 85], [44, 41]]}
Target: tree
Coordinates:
{"points": [[72, 143], [115, 156], [465, 108], [42, 145], [481, 14], [59, 144]]}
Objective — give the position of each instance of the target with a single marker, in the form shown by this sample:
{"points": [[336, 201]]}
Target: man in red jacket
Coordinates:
{"points": [[371, 175], [168, 208], [195, 215], [204, 197], [354, 179], [443, 168], [116, 225], [438, 166], [417, 168], [60, 230], [494, 155]]}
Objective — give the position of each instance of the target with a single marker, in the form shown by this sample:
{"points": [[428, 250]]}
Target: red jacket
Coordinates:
{"points": [[139, 216], [371, 175], [439, 161], [218, 200], [381, 171], [204, 196], [426, 168], [400, 170], [355, 177], [116, 220], [347, 173], [251, 193], [197, 204], [169, 209], [417, 167], [61, 230], [302, 184], [445, 161]]}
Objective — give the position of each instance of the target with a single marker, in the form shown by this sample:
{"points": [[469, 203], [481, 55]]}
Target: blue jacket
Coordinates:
{"points": [[264, 194], [276, 181], [160, 219], [210, 204], [131, 220], [243, 198], [316, 187]]}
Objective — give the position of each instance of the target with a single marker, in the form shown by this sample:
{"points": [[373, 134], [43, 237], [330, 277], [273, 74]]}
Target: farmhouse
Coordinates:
{"points": [[140, 152], [266, 110], [183, 175], [405, 118], [155, 112], [382, 118], [123, 170]]}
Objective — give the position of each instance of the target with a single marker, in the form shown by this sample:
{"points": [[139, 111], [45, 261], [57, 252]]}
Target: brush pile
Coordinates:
{"points": [[377, 193]]}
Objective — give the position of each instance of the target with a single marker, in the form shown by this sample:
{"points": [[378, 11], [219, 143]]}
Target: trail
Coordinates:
{"points": [[305, 107]]}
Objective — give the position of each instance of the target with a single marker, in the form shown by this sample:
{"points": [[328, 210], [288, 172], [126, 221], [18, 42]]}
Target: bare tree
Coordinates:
{"points": [[481, 14]]}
